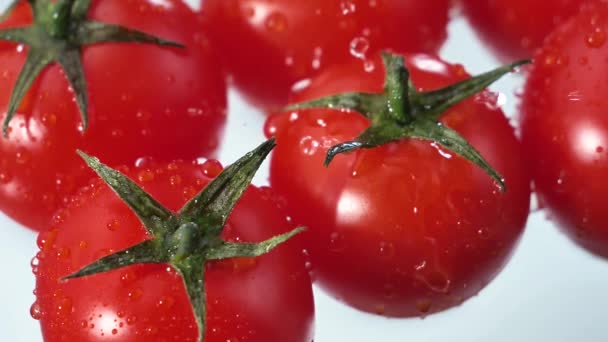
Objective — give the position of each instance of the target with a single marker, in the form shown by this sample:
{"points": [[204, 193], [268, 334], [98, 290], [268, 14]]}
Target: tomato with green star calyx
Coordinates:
{"points": [[431, 200], [121, 80], [565, 127], [171, 274], [287, 41], [515, 28]]}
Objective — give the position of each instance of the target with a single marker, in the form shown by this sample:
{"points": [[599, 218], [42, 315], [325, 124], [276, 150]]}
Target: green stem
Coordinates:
{"points": [[57, 35], [396, 88], [192, 237], [401, 112]]}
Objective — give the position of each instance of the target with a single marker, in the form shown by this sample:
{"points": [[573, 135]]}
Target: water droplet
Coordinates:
{"points": [[336, 242], [276, 22], [151, 330], [63, 253], [188, 192], [441, 150], [380, 309], [308, 145], [424, 305], [273, 124], [49, 119], [131, 320], [194, 112], [489, 99], [212, 168], [575, 96], [308, 266], [46, 239], [549, 59], [145, 176], [64, 306], [347, 7], [34, 264], [316, 59], [369, 65], [113, 225], [36, 311], [386, 250], [23, 156], [359, 47], [117, 133], [5, 177], [143, 115], [596, 39], [175, 180], [135, 294], [436, 281], [128, 277], [289, 61], [165, 303], [561, 181]]}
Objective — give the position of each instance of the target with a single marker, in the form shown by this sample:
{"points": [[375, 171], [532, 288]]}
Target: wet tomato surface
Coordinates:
{"points": [[144, 101], [407, 228], [565, 127], [288, 41], [147, 302]]}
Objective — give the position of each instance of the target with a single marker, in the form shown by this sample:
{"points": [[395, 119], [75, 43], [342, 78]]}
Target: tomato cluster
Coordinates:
{"points": [[397, 184]]}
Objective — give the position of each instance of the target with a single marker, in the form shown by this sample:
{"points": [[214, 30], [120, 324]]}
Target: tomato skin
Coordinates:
{"points": [[288, 41], [513, 29], [144, 101], [565, 128], [407, 228], [147, 302]]}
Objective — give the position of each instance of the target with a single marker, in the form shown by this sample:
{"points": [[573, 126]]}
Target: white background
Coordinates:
{"points": [[550, 291]]}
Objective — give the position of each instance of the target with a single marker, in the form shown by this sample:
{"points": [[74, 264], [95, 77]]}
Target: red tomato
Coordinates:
{"points": [[144, 100], [565, 127], [147, 302], [406, 228], [287, 41], [515, 28]]}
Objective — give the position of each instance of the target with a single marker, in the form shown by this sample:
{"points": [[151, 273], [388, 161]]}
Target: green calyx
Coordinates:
{"points": [[186, 240], [402, 112], [58, 33]]}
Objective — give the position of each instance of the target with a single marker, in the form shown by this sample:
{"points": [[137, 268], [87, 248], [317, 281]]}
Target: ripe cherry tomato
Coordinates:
{"points": [[565, 127], [147, 302], [407, 228], [144, 101], [515, 28], [287, 41]]}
